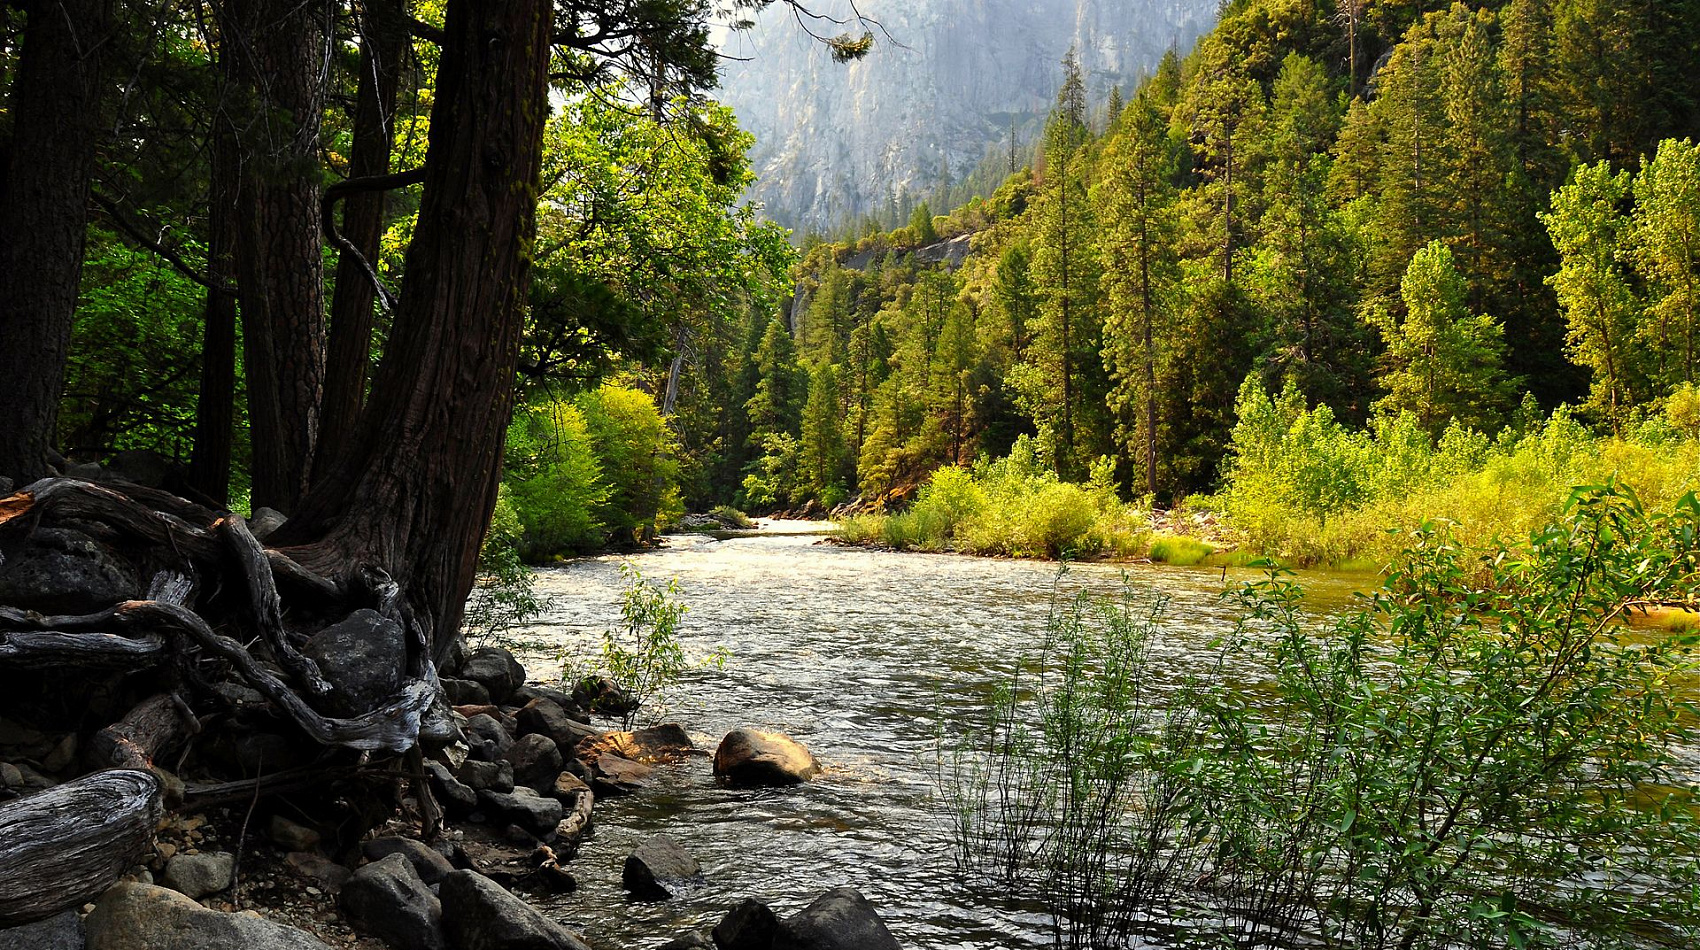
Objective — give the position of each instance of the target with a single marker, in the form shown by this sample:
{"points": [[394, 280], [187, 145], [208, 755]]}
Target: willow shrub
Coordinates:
{"points": [[1483, 754]]}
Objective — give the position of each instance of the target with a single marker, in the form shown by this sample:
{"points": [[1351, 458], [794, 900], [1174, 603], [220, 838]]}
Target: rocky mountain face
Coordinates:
{"points": [[938, 92]]}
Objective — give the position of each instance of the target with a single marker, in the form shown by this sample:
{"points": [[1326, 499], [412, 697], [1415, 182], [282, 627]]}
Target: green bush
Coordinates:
{"points": [[504, 596], [1179, 551], [639, 459], [554, 481]]}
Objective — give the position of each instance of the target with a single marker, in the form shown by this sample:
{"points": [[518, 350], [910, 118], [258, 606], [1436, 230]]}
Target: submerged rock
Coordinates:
{"points": [[751, 757], [615, 775]]}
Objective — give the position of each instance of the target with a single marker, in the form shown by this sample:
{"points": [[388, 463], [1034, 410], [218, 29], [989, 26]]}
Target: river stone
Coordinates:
{"points": [[145, 917], [456, 797], [386, 899], [489, 741], [536, 761], [362, 657], [496, 669], [494, 776], [197, 875], [751, 925], [311, 864], [840, 919], [617, 775], [600, 695], [465, 692], [527, 694], [61, 932], [428, 862], [478, 914], [59, 571], [750, 757], [664, 743], [660, 868], [525, 808], [545, 718]]}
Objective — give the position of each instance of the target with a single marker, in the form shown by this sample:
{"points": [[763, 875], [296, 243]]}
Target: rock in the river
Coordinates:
{"points": [[664, 743], [751, 925], [660, 868], [524, 807], [292, 836], [487, 737], [144, 917], [536, 761], [494, 776], [496, 669], [695, 940], [61, 932], [616, 775], [427, 861], [387, 900], [60, 571], [750, 757], [478, 914], [840, 919], [600, 695], [457, 797], [542, 717], [465, 692], [363, 657], [198, 875]]}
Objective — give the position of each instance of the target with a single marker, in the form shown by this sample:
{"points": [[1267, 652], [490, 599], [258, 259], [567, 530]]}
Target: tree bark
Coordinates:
{"points": [[44, 191], [278, 56], [215, 410], [413, 491], [52, 856], [348, 360]]}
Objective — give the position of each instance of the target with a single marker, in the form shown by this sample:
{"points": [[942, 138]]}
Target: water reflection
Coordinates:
{"points": [[856, 653]]}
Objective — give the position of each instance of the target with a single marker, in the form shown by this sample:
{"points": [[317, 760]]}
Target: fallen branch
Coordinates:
{"points": [[64, 846]]}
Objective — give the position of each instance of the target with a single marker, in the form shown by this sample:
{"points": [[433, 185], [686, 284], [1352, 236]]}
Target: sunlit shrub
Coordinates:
{"points": [[554, 481]]}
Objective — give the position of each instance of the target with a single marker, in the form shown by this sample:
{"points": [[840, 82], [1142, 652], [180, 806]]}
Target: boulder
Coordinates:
{"points": [[544, 718], [496, 669], [840, 919], [142, 467], [478, 914], [525, 694], [465, 692], [659, 869], [61, 932], [456, 797], [751, 925], [60, 571], [197, 875], [144, 917], [600, 695], [264, 521], [664, 743], [616, 775], [487, 738], [491, 776], [536, 761], [750, 757], [429, 863], [363, 657], [525, 808], [317, 867], [292, 836], [386, 899]]}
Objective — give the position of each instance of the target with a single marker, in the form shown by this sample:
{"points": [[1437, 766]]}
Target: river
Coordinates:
{"points": [[857, 654]]}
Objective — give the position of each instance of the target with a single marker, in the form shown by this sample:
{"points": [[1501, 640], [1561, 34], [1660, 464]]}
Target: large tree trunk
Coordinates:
{"points": [[44, 190], [215, 410], [413, 492], [383, 44], [278, 54]]}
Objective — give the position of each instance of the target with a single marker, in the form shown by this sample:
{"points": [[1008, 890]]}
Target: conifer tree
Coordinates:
{"points": [[823, 450]]}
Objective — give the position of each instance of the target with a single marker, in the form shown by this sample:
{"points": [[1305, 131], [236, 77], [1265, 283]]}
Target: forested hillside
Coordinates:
{"points": [[1460, 216]]}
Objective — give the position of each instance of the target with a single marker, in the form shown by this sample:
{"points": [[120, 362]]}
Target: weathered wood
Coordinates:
{"points": [[156, 724], [265, 605], [50, 649], [64, 498], [64, 846]]}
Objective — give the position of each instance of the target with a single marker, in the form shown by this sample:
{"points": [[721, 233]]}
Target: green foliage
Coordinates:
{"points": [[554, 481], [1482, 754], [645, 657], [1179, 551], [505, 594], [637, 452]]}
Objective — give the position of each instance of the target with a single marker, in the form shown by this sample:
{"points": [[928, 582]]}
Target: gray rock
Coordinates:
{"points": [[496, 669], [87, 471], [144, 917], [751, 925], [142, 467], [62, 755], [5, 486], [600, 695], [478, 914], [61, 932], [465, 692], [525, 808], [427, 862], [317, 867], [388, 900], [198, 875], [492, 776], [457, 797], [363, 657], [59, 571], [660, 868], [488, 740], [291, 836], [840, 919], [536, 761], [750, 757], [545, 718], [11, 776], [525, 694], [695, 940], [614, 775], [264, 521]]}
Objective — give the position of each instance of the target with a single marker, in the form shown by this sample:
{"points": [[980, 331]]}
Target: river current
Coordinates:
{"points": [[860, 655]]}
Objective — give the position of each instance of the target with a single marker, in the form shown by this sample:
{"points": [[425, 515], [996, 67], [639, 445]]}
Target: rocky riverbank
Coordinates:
{"points": [[486, 825]]}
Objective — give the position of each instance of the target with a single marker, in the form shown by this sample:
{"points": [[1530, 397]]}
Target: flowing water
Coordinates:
{"points": [[859, 654]]}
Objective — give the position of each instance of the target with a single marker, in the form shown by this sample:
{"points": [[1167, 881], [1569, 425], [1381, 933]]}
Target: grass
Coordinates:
{"points": [[1179, 551]]}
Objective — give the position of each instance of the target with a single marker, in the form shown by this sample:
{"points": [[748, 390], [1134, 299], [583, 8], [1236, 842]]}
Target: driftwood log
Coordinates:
{"points": [[222, 609], [64, 846]]}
